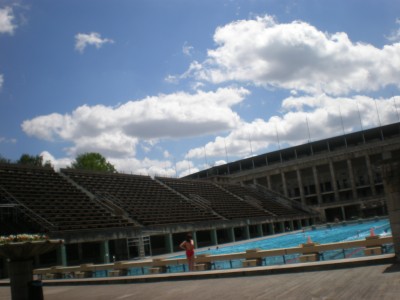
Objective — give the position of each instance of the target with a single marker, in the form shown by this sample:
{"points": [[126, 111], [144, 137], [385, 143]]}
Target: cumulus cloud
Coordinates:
{"points": [[116, 131], [303, 119], [6, 20], [82, 40], [146, 166], [296, 56], [57, 163]]}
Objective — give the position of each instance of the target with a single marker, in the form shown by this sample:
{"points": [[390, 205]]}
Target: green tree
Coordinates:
{"points": [[31, 160], [92, 161], [4, 160]]}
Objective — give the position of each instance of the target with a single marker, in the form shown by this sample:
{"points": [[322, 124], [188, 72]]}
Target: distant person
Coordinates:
{"points": [[188, 246]]}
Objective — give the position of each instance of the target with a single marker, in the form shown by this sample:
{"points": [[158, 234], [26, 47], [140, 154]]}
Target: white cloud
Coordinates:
{"points": [[57, 163], [145, 166], [394, 36], [6, 20], [296, 56], [1, 80], [116, 131], [326, 117], [187, 49], [4, 140], [166, 154], [82, 40], [194, 68]]}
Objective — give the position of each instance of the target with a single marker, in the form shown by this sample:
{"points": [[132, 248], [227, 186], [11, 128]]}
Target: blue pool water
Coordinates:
{"points": [[323, 235]]}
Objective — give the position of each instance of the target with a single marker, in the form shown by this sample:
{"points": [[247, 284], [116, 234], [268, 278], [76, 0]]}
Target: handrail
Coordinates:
{"points": [[29, 212], [204, 258]]}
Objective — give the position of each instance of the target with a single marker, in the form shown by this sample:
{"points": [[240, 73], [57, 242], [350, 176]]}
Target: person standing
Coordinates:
{"points": [[188, 246]]}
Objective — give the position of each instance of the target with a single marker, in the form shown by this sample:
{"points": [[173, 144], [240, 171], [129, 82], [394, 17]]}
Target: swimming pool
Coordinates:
{"points": [[326, 234], [331, 233]]}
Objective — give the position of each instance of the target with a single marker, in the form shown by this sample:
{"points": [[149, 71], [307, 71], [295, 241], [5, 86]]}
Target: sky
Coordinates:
{"points": [[171, 87]]}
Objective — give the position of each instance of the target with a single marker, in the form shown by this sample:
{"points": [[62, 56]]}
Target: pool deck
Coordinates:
{"points": [[376, 277]]}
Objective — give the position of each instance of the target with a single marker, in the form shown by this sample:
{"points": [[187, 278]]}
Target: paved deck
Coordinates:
{"points": [[377, 278]]}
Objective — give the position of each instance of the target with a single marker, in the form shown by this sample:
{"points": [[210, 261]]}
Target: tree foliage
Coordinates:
{"points": [[4, 160], [92, 161], [31, 160]]}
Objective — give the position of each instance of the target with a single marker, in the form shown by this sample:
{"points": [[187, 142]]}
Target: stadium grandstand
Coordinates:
{"points": [[340, 177], [104, 217]]}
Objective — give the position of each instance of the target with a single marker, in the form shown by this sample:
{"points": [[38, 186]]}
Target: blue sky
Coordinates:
{"points": [[171, 87]]}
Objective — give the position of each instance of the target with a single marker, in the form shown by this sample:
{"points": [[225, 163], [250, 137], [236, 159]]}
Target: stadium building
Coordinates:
{"points": [[340, 177], [106, 217]]}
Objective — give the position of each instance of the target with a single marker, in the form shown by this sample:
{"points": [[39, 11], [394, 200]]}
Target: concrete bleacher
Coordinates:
{"points": [[221, 201], [76, 199], [144, 199], [265, 200], [47, 198]]}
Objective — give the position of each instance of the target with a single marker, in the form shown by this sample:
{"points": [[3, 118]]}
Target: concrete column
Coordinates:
{"points": [[80, 252], [214, 237], [333, 181], [299, 225], [194, 236], [260, 230], [351, 177], [271, 228], [269, 182], [105, 252], [291, 225], [231, 234], [169, 244], [121, 249], [284, 185], [391, 181], [343, 212], [313, 220], [246, 232], [61, 255], [370, 175], [301, 188], [281, 226], [317, 186]]}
